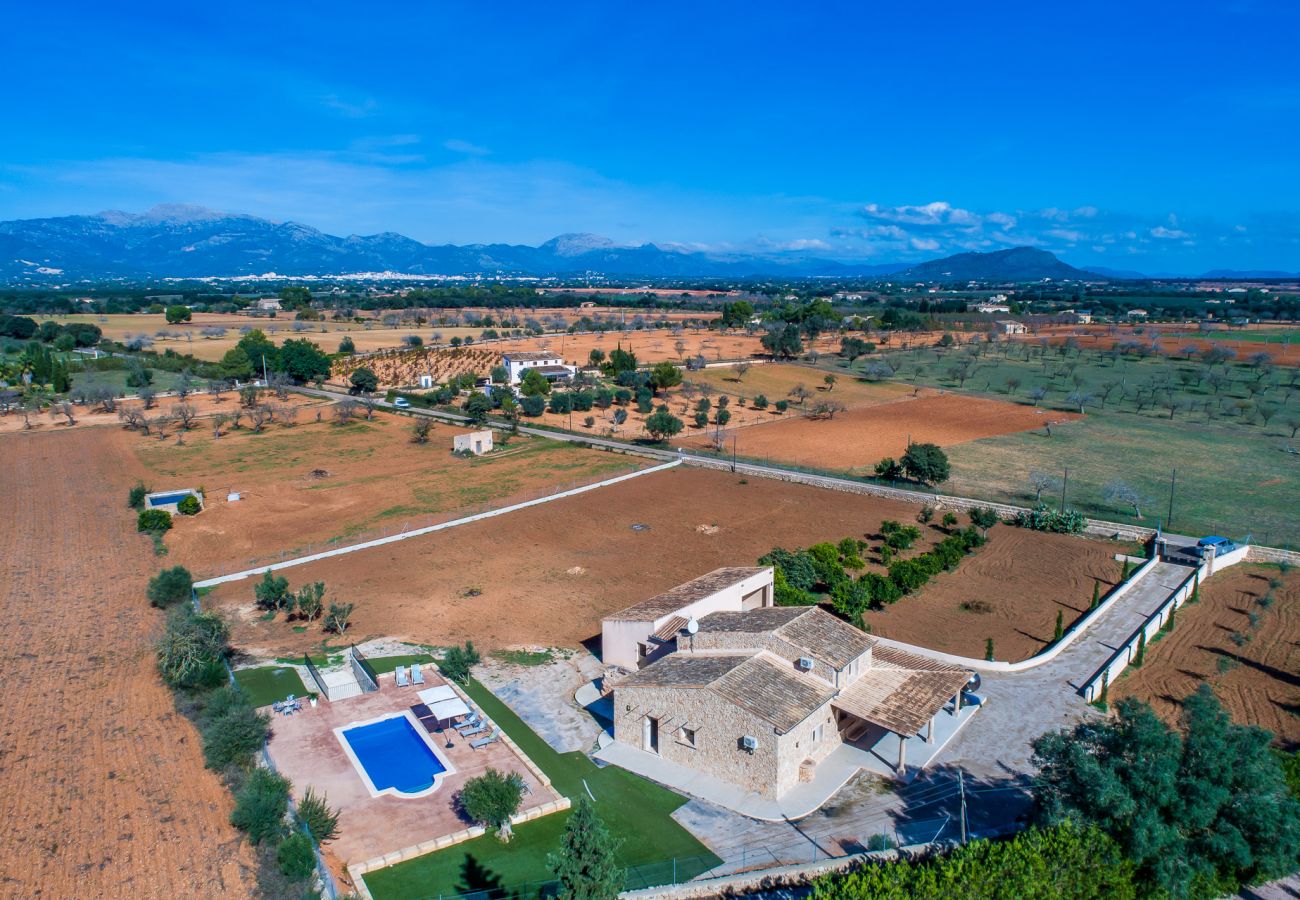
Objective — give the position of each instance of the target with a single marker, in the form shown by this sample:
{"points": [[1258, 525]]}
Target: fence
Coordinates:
{"points": [[316, 676], [1123, 657], [363, 670]]}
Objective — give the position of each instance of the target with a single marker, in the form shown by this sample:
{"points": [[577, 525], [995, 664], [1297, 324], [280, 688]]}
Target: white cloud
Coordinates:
{"points": [[1164, 233], [924, 244], [456, 145]]}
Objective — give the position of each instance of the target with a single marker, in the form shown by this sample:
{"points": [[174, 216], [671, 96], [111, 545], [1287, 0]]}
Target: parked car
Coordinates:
{"points": [[1221, 545], [402, 403]]}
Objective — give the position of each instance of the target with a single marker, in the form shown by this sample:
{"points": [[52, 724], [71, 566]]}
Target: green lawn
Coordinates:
{"points": [[267, 684], [385, 664], [637, 811], [1225, 428]]}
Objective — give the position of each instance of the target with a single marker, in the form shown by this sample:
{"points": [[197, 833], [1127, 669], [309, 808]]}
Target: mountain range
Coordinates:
{"points": [[178, 241]]}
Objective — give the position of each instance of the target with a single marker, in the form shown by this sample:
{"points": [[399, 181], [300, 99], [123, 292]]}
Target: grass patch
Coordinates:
{"points": [[636, 810], [267, 684], [524, 657], [385, 664]]}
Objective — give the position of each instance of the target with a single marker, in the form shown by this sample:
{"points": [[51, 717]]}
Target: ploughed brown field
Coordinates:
{"points": [[1010, 590], [547, 575], [857, 439], [317, 485], [105, 793], [1257, 681]]}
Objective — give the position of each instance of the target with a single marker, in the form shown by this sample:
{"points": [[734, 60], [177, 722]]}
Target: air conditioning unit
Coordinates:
{"points": [[806, 663], [749, 743]]}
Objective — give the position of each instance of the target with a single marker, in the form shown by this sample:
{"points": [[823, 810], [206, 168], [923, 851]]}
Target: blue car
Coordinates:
{"points": [[1221, 545]]}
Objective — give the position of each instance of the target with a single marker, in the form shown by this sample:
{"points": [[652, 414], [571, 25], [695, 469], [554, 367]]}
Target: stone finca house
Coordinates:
{"points": [[763, 698], [548, 364], [476, 442]]}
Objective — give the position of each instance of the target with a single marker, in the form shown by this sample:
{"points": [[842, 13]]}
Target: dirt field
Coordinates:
{"points": [[1024, 576], [1101, 337], [370, 479], [776, 381], [571, 562], [856, 440], [1258, 681], [205, 406], [105, 794]]}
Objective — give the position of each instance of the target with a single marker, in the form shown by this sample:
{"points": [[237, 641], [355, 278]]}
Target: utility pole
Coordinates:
{"points": [[1173, 477], [961, 775], [265, 381], [1064, 482], [733, 453]]}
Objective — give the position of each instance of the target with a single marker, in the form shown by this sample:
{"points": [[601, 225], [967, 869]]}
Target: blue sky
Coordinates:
{"points": [[1157, 136]]}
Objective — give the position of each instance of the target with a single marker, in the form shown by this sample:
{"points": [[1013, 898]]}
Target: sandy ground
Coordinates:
{"points": [[1258, 683], [857, 439], [317, 482], [105, 794], [1024, 576], [546, 576]]}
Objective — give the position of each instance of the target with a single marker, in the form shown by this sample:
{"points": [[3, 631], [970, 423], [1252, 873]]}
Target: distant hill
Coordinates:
{"points": [[1119, 274], [193, 242], [1246, 274], [1016, 264]]}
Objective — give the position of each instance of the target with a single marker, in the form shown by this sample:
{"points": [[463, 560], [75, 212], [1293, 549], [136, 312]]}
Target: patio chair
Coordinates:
{"points": [[417, 674], [400, 672], [473, 720], [477, 729], [484, 741]]}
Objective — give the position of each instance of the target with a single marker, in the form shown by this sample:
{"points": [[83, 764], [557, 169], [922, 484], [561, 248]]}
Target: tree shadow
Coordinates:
{"points": [[932, 804], [1282, 675], [474, 877]]}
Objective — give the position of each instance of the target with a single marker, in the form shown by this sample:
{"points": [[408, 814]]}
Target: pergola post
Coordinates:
{"points": [[902, 754], [956, 706], [929, 731]]}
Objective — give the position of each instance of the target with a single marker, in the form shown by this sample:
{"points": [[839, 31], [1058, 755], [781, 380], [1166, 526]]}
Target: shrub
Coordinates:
{"points": [[533, 405], [135, 496], [492, 798], [192, 649], [457, 662], [976, 606], [170, 586], [927, 463], [315, 812], [908, 574], [949, 520], [234, 736], [296, 857], [189, 506], [260, 806], [1044, 518], [153, 521]]}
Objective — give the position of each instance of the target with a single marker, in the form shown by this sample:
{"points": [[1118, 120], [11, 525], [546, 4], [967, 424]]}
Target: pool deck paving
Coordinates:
{"points": [[305, 748]]}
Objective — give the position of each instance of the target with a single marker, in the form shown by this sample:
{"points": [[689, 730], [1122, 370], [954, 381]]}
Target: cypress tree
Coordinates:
{"points": [[1105, 689], [1169, 622], [1124, 574], [585, 865], [1096, 595], [988, 649], [1141, 654], [1060, 625]]}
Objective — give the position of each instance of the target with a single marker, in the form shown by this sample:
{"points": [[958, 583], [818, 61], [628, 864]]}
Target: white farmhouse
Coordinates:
{"points": [[548, 364]]}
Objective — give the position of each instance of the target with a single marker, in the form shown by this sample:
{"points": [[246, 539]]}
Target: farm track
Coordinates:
{"points": [[103, 786]]}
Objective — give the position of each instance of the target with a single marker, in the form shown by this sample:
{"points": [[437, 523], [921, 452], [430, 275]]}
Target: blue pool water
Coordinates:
{"points": [[168, 499], [394, 755]]}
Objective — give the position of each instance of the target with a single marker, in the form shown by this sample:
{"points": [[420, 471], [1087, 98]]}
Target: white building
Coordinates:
{"points": [[1011, 326], [476, 442], [548, 364]]}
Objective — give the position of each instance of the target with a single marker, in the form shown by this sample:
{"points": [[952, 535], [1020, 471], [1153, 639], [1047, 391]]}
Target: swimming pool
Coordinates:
{"points": [[394, 755], [168, 499]]}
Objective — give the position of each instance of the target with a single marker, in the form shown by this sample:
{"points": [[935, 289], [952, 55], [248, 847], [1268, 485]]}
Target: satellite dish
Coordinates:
{"points": [[692, 626]]}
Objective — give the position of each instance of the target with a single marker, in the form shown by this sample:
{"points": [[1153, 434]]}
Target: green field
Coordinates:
{"points": [[267, 684], [635, 810], [1225, 427]]}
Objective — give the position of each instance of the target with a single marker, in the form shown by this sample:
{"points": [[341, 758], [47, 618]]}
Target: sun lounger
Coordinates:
{"points": [[400, 672], [417, 674], [477, 729], [484, 741], [473, 720]]}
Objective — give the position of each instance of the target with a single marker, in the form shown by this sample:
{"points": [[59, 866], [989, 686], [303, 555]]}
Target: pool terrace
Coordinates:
{"points": [[375, 831]]}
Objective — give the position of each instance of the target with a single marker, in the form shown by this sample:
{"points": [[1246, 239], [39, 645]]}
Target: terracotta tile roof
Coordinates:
{"points": [[756, 682], [683, 670], [670, 629], [806, 628], [901, 690], [672, 600], [772, 692]]}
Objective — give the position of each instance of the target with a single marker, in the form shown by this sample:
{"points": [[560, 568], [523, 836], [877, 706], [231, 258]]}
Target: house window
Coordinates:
{"points": [[818, 733], [688, 737]]}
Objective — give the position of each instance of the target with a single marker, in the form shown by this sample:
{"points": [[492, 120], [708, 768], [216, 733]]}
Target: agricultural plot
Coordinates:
{"points": [[1226, 428], [320, 483], [1243, 639], [106, 793], [855, 440], [202, 407], [545, 576]]}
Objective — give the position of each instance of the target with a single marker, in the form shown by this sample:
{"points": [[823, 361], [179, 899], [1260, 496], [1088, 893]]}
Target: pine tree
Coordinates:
{"points": [[585, 865]]}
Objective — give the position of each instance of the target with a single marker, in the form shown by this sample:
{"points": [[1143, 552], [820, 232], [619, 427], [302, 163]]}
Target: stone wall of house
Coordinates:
{"points": [[798, 745], [720, 727]]}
